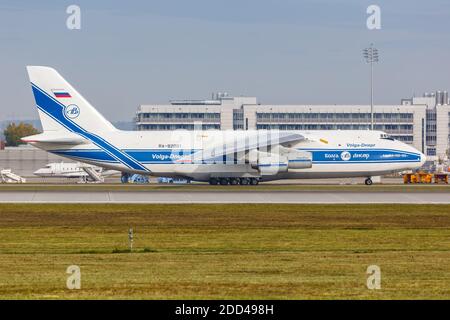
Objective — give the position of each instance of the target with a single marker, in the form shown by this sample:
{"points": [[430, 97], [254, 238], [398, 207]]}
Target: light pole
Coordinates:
{"points": [[371, 56]]}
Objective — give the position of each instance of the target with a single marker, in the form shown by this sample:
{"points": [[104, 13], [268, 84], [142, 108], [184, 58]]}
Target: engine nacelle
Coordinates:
{"points": [[268, 163], [299, 159], [279, 160]]}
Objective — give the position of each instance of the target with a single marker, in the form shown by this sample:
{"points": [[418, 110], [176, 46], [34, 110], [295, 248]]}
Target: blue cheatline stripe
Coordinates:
{"points": [[168, 156], [97, 155], [361, 162], [55, 110], [362, 156]]}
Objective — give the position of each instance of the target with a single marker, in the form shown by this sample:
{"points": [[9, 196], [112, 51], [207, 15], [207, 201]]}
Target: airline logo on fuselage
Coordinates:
{"points": [[346, 156]]}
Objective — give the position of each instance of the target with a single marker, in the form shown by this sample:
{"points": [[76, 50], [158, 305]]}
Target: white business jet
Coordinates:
{"points": [[82, 171]]}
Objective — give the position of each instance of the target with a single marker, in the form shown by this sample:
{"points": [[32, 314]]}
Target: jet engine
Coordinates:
{"points": [[279, 160]]}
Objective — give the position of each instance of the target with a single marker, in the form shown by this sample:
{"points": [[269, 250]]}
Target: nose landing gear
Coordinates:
{"points": [[368, 181]]}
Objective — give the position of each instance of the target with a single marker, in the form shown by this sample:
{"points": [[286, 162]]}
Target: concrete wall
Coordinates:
{"points": [[25, 160]]}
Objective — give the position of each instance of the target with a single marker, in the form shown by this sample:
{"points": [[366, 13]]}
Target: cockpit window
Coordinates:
{"points": [[386, 136]]}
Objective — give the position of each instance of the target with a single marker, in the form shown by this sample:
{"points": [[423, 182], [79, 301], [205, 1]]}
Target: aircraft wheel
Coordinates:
{"points": [[368, 182], [223, 181], [243, 181], [234, 181], [213, 181], [125, 177], [254, 181]]}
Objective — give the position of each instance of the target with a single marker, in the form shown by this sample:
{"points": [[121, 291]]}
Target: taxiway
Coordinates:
{"points": [[222, 197]]}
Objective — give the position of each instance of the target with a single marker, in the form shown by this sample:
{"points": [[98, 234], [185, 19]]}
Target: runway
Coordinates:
{"points": [[223, 197]]}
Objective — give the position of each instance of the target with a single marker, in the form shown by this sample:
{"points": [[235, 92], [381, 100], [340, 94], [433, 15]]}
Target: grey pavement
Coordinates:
{"points": [[221, 197]]}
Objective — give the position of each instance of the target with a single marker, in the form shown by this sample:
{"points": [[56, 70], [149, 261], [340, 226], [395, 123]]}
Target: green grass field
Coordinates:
{"points": [[225, 251]]}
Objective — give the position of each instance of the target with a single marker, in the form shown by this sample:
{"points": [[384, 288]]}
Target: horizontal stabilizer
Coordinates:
{"points": [[56, 137]]}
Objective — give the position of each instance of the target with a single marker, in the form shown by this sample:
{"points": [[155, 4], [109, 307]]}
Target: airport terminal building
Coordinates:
{"points": [[423, 121]]}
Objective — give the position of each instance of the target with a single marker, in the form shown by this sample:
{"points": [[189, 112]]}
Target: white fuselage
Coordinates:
{"points": [[335, 154]]}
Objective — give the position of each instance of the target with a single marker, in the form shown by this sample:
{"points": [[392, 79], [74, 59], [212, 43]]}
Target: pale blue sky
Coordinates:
{"points": [[282, 51]]}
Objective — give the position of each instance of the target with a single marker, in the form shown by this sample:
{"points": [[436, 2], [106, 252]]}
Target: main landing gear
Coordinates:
{"points": [[125, 177], [234, 181], [368, 182]]}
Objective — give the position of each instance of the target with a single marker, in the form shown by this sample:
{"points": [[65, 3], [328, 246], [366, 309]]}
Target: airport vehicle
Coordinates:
{"points": [[139, 179], [424, 177], [73, 128], [7, 176], [82, 171]]}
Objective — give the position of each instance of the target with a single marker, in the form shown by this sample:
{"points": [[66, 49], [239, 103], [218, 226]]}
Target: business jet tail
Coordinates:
{"points": [[61, 108]]}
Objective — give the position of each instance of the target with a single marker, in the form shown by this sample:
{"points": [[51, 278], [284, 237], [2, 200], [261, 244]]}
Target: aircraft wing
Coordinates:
{"points": [[257, 140]]}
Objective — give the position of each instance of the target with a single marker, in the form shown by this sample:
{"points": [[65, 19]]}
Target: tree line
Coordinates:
{"points": [[14, 132]]}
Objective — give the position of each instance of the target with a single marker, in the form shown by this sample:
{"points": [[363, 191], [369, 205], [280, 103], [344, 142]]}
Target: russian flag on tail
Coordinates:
{"points": [[61, 93]]}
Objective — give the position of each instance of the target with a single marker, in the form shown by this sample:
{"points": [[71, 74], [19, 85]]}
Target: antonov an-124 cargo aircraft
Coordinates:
{"points": [[73, 128]]}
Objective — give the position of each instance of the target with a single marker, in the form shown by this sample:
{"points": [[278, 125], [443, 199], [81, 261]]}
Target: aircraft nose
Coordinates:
{"points": [[423, 159]]}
